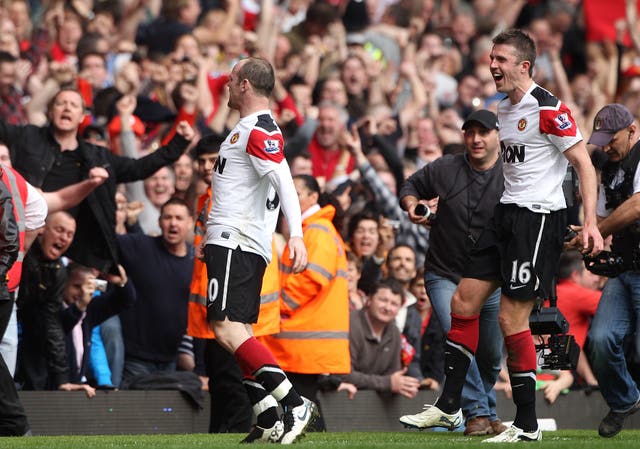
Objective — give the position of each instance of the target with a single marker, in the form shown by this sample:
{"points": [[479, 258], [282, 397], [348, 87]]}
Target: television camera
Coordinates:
{"points": [[557, 350]]}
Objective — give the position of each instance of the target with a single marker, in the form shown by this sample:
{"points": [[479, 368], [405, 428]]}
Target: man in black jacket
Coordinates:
{"points": [[468, 187], [42, 358], [54, 156]]}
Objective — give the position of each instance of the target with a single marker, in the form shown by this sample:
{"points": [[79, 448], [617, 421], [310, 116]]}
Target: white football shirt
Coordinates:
{"points": [[245, 206], [534, 133]]}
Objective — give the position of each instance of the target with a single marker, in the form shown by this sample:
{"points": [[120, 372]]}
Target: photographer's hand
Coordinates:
{"points": [[572, 238]]}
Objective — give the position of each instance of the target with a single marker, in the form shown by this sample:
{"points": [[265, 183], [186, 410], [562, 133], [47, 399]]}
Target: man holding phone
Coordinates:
{"points": [[469, 186]]}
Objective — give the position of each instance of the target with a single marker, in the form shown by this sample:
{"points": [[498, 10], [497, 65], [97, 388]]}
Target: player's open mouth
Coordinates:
{"points": [[497, 76]]}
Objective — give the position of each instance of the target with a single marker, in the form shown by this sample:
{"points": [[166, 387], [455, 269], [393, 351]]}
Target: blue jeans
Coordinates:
{"points": [[615, 322], [111, 334], [478, 394]]}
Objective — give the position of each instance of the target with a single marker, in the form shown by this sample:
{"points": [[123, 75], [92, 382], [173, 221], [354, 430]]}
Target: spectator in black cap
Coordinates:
{"points": [[467, 186]]}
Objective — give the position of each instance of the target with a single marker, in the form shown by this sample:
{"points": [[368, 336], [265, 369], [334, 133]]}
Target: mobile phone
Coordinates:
{"points": [[101, 285], [423, 210]]}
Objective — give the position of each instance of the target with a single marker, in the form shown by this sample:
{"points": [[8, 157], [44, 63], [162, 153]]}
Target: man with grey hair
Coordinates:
{"points": [[330, 158]]}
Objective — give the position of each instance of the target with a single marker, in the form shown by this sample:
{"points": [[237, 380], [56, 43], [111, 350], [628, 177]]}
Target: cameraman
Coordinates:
{"points": [[618, 213]]}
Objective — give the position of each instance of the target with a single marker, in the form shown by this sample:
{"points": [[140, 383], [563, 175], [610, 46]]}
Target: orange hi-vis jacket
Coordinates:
{"points": [[314, 304], [197, 325]]}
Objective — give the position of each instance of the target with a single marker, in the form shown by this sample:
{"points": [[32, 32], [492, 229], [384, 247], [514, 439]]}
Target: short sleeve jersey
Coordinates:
{"points": [[245, 206], [534, 134]]}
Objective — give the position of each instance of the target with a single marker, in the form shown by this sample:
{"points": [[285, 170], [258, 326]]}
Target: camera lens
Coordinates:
{"points": [[421, 209]]}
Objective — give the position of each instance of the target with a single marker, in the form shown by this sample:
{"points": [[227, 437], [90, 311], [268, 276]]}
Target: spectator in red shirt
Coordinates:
{"points": [[578, 298], [326, 144]]}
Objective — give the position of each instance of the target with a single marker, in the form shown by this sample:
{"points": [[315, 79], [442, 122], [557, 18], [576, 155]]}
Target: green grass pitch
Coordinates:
{"points": [[569, 439]]}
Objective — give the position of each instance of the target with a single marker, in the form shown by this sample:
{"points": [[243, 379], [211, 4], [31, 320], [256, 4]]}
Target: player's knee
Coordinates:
{"points": [[461, 305]]}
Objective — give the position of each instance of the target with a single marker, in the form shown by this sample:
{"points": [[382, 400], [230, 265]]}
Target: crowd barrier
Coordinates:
{"points": [[168, 412]]}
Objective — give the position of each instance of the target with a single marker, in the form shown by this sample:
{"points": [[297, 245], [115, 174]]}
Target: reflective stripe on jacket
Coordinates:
{"points": [[19, 194], [314, 304]]}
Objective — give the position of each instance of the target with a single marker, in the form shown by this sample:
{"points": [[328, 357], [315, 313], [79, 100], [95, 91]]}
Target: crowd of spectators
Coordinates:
{"points": [[367, 92]]}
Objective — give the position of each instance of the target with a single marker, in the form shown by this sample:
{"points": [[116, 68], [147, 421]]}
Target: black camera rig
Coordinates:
{"points": [[610, 264], [560, 351]]}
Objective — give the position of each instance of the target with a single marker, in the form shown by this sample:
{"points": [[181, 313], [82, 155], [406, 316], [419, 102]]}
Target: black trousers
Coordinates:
{"points": [[13, 420], [231, 410]]}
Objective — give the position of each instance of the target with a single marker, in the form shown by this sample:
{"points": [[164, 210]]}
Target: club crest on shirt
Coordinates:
{"points": [[562, 121], [271, 146], [234, 138], [522, 124]]}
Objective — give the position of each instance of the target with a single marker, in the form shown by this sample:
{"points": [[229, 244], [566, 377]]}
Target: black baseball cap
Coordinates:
{"points": [[608, 121], [486, 118]]}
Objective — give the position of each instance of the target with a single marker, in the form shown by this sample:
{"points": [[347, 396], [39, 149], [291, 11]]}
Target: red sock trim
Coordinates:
{"points": [[252, 355], [521, 352], [465, 330]]}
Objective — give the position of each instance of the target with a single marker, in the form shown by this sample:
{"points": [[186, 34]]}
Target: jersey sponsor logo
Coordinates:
{"points": [[512, 153], [220, 164], [562, 121], [271, 146], [234, 138], [522, 124]]}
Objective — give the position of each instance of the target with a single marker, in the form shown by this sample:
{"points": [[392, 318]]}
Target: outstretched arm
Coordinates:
{"points": [[579, 158], [73, 195]]}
